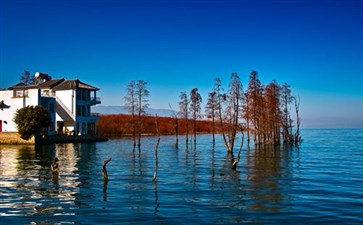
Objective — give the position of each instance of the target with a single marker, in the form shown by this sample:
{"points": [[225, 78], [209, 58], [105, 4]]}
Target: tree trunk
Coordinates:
{"points": [[213, 126], [156, 149]]}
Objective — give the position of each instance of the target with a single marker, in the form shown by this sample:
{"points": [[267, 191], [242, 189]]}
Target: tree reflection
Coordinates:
{"points": [[104, 190], [267, 165]]}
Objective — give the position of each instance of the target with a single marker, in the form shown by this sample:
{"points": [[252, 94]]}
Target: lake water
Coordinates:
{"points": [[319, 183]]}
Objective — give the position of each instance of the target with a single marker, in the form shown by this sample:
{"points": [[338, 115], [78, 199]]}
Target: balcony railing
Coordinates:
{"points": [[95, 100]]}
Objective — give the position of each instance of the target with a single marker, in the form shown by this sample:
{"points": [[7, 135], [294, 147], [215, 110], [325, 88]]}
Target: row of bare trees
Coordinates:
{"points": [[262, 111], [267, 112]]}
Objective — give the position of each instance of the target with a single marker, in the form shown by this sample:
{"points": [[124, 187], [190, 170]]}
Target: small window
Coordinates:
{"points": [[91, 128], [20, 93], [51, 107], [78, 110], [83, 110], [51, 127]]}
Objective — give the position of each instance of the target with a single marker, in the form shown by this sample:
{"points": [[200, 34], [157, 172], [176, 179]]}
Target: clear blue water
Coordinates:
{"points": [[321, 182]]}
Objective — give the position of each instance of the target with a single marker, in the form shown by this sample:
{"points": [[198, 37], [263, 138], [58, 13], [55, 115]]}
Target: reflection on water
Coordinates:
{"points": [[269, 173], [29, 185], [195, 183]]}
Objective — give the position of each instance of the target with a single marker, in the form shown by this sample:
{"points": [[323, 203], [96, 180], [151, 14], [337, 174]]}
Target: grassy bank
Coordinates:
{"points": [[12, 138]]}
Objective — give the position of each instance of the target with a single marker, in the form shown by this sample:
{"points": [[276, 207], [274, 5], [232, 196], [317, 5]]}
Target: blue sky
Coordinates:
{"points": [[314, 45]]}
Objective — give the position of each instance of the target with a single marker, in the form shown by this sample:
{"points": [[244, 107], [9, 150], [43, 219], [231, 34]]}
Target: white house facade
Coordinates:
{"points": [[67, 101]]}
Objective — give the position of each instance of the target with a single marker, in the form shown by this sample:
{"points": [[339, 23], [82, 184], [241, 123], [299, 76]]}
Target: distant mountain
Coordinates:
{"points": [[102, 109]]}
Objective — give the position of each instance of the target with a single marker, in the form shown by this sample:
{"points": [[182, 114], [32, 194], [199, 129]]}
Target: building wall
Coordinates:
{"points": [[68, 99], [31, 98], [6, 115]]}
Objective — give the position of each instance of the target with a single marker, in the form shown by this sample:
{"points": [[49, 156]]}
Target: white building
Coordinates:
{"points": [[68, 102]]}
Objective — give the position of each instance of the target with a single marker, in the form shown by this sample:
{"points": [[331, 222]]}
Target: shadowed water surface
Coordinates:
{"points": [[320, 182]]}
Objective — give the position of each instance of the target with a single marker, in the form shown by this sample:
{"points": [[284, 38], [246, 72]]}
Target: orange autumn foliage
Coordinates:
{"points": [[121, 125]]}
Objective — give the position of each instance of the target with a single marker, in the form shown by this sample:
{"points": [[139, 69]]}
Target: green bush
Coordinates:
{"points": [[31, 121]]}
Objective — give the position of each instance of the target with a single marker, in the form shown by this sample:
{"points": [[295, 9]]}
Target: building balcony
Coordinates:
{"points": [[95, 100]]}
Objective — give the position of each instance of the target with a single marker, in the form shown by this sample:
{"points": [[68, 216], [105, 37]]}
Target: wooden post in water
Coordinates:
{"points": [[55, 165], [104, 170], [55, 169]]}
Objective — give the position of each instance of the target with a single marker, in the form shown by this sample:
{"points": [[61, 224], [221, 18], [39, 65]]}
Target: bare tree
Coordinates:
{"points": [[246, 115], [273, 113], [156, 148], [184, 112], [130, 100], [176, 125], [26, 79], [255, 108], [286, 100], [298, 138], [234, 106], [229, 107], [221, 99], [195, 108], [211, 110], [142, 95]]}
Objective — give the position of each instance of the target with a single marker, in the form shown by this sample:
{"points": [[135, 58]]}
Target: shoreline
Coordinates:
{"points": [[13, 138]]}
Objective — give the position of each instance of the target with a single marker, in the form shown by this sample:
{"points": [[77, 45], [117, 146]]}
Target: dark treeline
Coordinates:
{"points": [[121, 125]]}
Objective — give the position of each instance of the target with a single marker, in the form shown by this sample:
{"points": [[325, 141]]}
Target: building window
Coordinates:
{"points": [[83, 110], [20, 93], [84, 95], [91, 128], [51, 127], [88, 95], [51, 107], [83, 128], [78, 110]]}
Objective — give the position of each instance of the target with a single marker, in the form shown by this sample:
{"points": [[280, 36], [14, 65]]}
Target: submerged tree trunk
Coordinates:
{"points": [[213, 127], [139, 123], [236, 161], [176, 126], [104, 170], [176, 132], [222, 126], [156, 148], [297, 138]]}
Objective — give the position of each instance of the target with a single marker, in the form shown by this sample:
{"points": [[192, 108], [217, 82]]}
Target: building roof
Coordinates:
{"points": [[50, 83], [21, 85], [56, 84], [73, 84]]}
